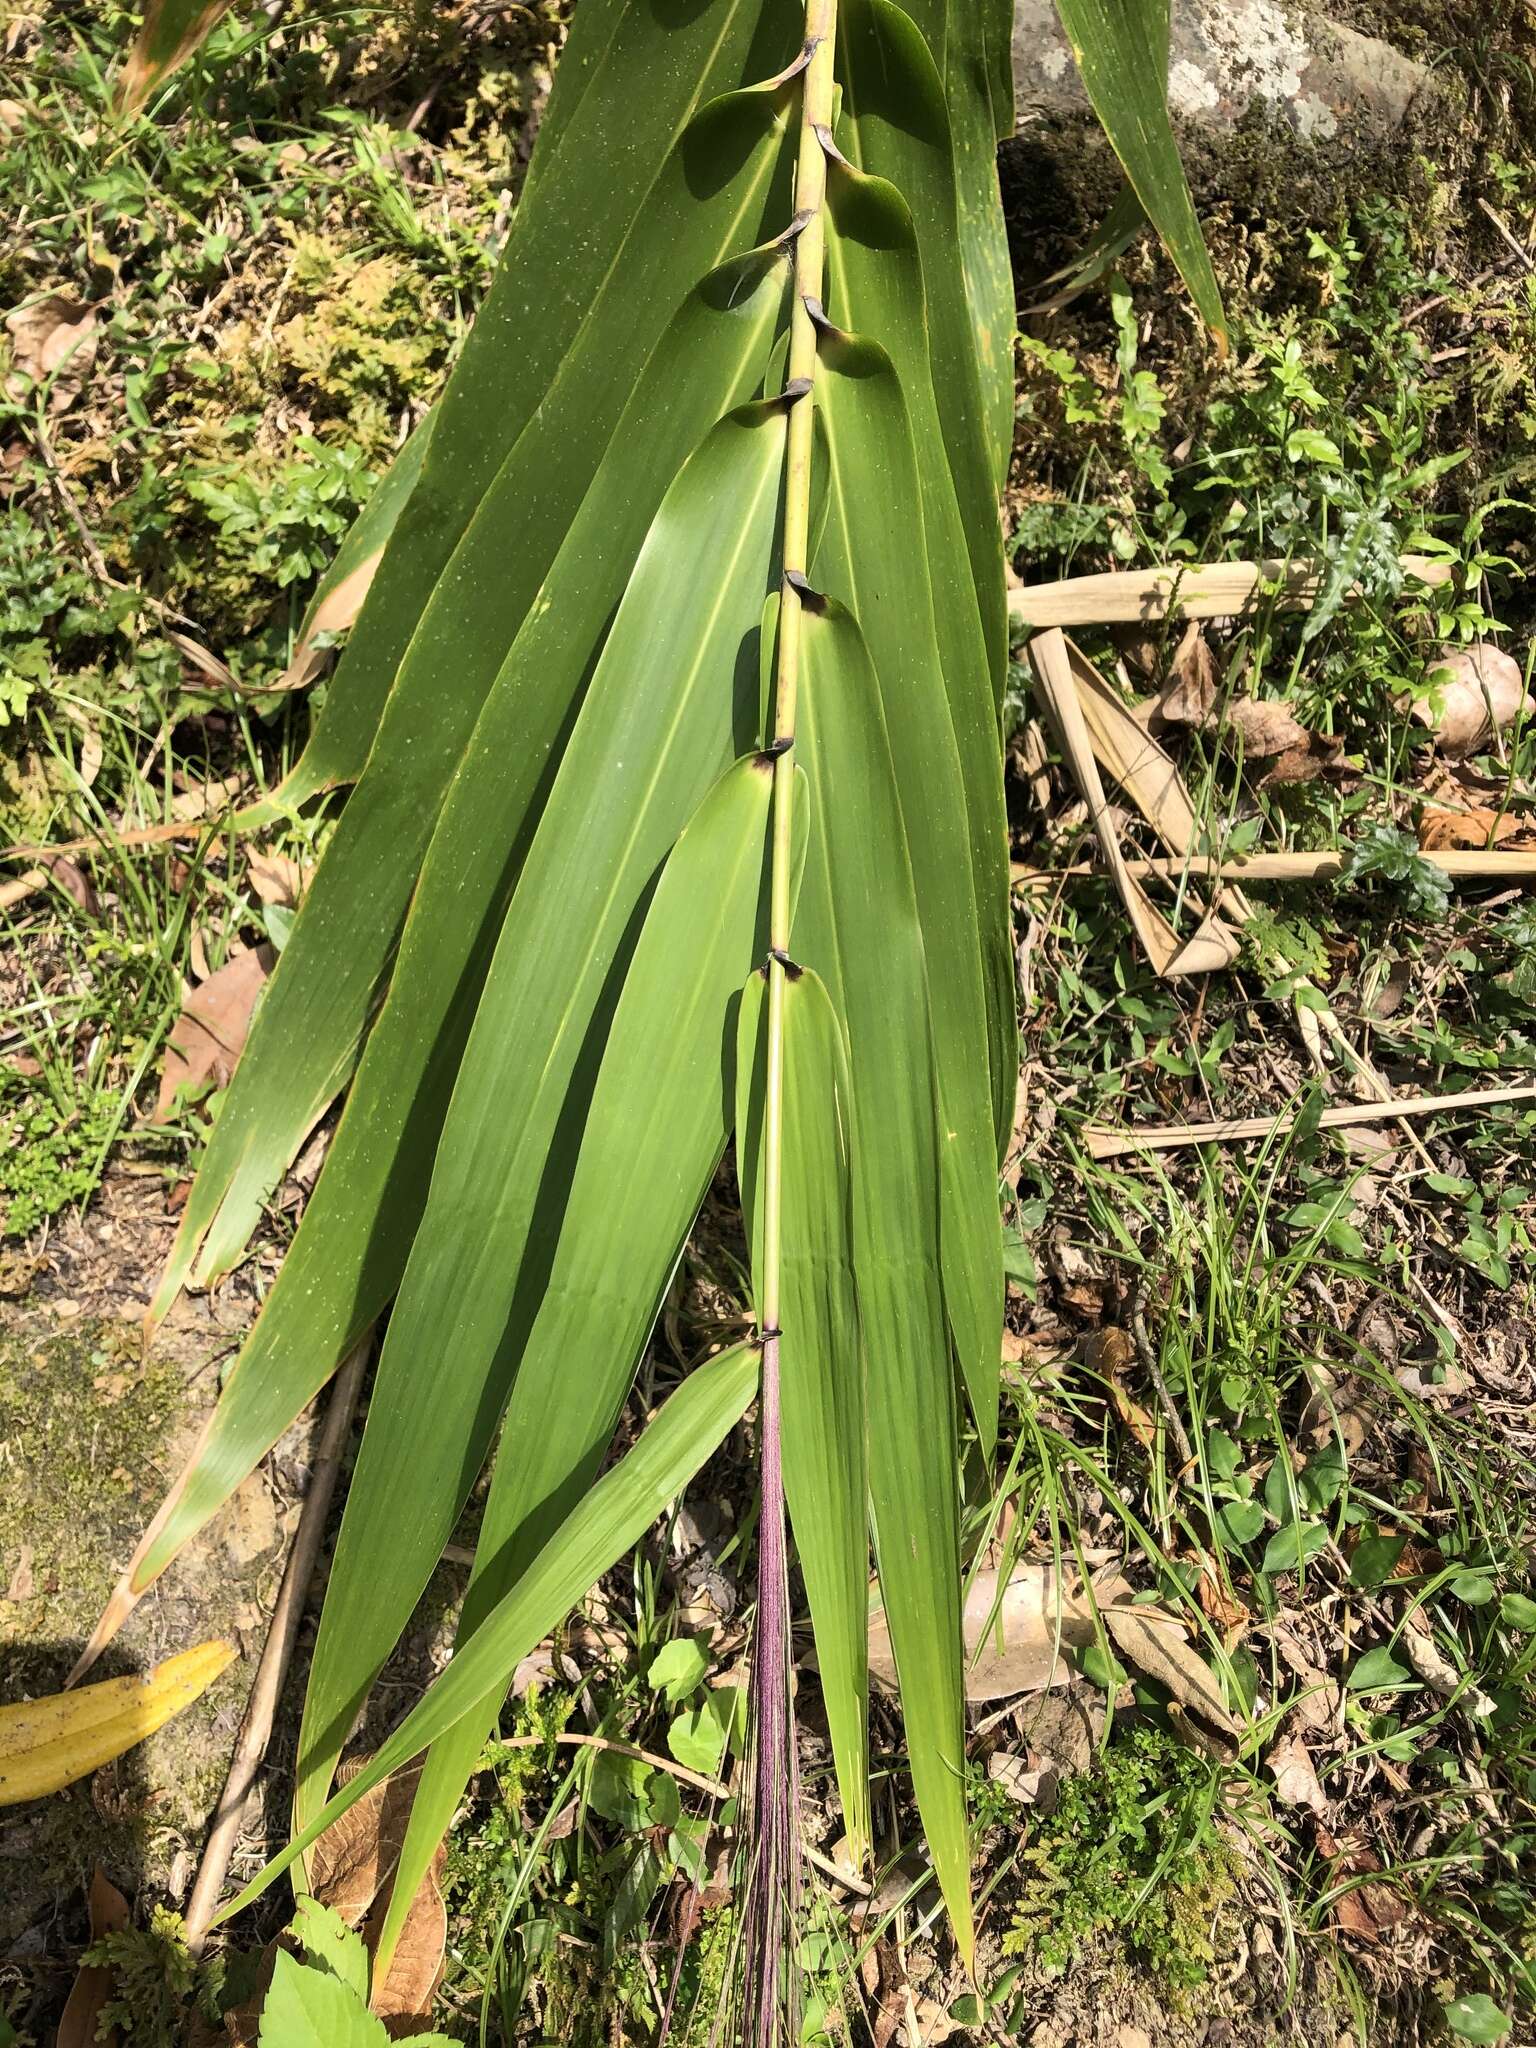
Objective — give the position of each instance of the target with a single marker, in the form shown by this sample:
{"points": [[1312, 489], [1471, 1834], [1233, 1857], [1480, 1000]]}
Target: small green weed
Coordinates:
{"points": [[1132, 1851], [51, 1149], [153, 1977]]}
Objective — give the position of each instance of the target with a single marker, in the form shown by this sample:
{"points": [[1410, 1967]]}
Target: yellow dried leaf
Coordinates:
{"points": [[49, 1743]]}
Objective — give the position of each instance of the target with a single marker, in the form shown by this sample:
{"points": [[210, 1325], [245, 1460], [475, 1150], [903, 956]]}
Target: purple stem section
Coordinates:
{"points": [[773, 1884]]}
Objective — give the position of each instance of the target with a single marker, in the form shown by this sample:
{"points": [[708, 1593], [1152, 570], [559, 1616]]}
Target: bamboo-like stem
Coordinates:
{"points": [[810, 253], [774, 1847]]}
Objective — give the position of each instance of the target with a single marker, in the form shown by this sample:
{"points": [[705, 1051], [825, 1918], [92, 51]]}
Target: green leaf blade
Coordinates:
{"points": [[337, 1276], [685, 640], [822, 1406], [724, 179], [690, 1426], [858, 929], [865, 559], [1121, 48], [658, 1124]]}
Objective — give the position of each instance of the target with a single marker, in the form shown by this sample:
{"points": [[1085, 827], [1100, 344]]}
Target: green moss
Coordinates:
{"points": [[85, 1423], [91, 1436], [1130, 1851]]}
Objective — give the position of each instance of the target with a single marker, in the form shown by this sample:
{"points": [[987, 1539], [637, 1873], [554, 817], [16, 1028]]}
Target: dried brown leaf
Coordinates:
{"points": [[1095, 727], [1265, 728], [1366, 1911], [209, 1035], [335, 612], [73, 880], [1194, 681], [1156, 1644], [93, 1983], [1220, 1604], [1479, 825], [1042, 1619], [416, 1969], [1027, 1782], [353, 1860], [1470, 693], [52, 337], [1295, 1776], [351, 1867], [22, 1583], [276, 877]]}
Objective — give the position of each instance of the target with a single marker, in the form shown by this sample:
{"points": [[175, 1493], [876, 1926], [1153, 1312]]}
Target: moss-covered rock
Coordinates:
{"points": [[89, 1436]]}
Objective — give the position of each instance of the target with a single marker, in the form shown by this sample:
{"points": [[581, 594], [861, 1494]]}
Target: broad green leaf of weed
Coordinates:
{"points": [[312, 2009], [1375, 1559], [1475, 2017], [331, 1944], [1378, 1671], [620, 1789], [1222, 1455], [699, 1738], [1472, 1589], [1241, 1520], [678, 1668], [1291, 1547], [1319, 1484]]}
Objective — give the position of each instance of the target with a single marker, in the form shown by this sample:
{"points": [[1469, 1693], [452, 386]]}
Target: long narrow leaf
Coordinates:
{"points": [[673, 701], [821, 1357], [867, 560], [874, 264], [618, 1510], [659, 1120], [171, 31], [720, 182], [340, 1273], [858, 929], [629, 83], [976, 65], [1121, 48], [896, 126]]}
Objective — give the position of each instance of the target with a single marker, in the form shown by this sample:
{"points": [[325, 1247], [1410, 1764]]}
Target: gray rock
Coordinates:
{"points": [[1229, 57]]}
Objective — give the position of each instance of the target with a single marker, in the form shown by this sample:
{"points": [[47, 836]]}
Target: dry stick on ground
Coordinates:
{"points": [[1459, 863], [1107, 1144], [1207, 591], [266, 1689]]}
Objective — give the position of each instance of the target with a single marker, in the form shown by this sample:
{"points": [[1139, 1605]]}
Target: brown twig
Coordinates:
{"points": [[272, 1671], [1463, 863], [1107, 1144]]}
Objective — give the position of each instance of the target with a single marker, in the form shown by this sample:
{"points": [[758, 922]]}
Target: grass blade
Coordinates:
{"points": [[339, 1275], [866, 559], [1121, 48], [171, 31], [720, 181], [857, 928], [896, 126], [821, 1360], [627, 88]]}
